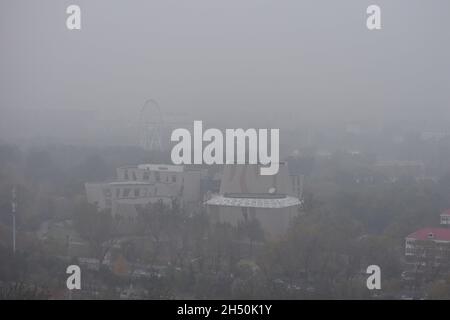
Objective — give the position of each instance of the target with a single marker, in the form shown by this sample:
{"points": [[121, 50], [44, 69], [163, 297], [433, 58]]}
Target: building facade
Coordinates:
{"points": [[428, 247], [144, 184]]}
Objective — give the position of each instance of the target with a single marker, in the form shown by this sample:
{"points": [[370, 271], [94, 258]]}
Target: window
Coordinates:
{"points": [[174, 178], [118, 193], [134, 176], [445, 219], [244, 213], [126, 192], [126, 175], [157, 176], [252, 212], [146, 176], [136, 192]]}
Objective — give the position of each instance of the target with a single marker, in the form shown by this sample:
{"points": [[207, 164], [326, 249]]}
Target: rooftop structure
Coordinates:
{"points": [[261, 200]]}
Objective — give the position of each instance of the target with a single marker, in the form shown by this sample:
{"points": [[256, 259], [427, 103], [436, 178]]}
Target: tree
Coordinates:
{"points": [[250, 282], [95, 227], [22, 291]]}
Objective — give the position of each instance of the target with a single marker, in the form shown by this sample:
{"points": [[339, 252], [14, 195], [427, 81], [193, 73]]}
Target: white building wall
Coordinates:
{"points": [[275, 222]]}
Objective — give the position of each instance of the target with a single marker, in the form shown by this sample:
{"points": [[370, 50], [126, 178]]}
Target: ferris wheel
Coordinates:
{"points": [[151, 126]]}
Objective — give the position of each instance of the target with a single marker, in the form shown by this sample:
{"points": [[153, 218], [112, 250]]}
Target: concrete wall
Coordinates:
{"points": [[274, 222]]}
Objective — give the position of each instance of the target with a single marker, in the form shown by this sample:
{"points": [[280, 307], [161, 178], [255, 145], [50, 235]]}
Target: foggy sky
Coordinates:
{"points": [[264, 62]]}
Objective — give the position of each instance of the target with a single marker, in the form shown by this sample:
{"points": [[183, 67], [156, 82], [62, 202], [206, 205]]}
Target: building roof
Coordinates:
{"points": [[446, 213], [439, 234], [382, 163], [130, 183], [253, 202], [246, 178], [161, 167]]}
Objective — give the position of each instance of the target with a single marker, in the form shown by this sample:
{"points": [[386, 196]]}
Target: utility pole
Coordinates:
{"points": [[13, 207]]}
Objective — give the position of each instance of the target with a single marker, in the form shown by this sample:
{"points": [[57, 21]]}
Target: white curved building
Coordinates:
{"points": [[246, 195]]}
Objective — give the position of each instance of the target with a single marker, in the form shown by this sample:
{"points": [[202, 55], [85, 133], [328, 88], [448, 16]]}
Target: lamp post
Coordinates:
{"points": [[13, 207]]}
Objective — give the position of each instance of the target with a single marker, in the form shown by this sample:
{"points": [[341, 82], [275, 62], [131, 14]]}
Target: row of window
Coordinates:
{"points": [[146, 176], [131, 192], [441, 251], [445, 219]]}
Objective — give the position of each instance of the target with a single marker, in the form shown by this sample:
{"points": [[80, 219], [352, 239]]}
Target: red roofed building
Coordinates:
{"points": [[428, 245], [435, 234]]}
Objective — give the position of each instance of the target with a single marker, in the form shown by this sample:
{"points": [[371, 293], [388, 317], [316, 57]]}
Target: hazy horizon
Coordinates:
{"points": [[250, 63]]}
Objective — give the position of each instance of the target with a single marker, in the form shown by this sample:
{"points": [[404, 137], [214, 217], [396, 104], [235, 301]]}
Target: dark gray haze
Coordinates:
{"points": [[346, 196], [246, 62]]}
